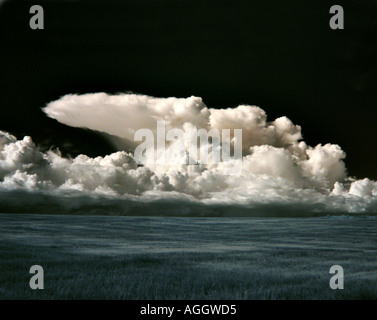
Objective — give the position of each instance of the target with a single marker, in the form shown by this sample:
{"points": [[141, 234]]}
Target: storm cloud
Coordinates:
{"points": [[281, 174]]}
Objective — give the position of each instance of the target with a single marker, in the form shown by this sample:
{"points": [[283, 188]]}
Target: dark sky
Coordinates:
{"points": [[280, 55]]}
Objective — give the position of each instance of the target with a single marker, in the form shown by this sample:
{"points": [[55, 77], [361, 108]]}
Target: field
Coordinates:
{"points": [[109, 257]]}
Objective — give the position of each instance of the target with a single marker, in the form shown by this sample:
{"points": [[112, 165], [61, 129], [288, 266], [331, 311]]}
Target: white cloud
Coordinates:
{"points": [[280, 173]]}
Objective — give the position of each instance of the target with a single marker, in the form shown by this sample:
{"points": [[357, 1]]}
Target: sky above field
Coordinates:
{"points": [[303, 94]]}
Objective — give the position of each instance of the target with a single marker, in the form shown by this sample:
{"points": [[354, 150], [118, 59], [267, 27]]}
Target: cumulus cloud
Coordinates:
{"points": [[122, 115], [281, 174]]}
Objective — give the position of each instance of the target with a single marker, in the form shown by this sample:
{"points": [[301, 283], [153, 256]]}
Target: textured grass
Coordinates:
{"points": [[186, 258]]}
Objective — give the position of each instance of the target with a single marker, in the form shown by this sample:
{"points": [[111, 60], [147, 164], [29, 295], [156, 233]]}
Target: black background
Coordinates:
{"points": [[279, 55], [292, 309]]}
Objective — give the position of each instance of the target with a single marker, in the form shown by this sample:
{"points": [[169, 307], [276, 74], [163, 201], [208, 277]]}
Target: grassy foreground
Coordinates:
{"points": [[86, 257]]}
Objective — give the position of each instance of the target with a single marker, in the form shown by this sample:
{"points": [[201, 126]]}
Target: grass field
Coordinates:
{"points": [[105, 257]]}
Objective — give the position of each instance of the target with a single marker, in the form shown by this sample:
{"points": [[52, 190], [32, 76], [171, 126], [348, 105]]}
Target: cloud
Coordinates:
{"points": [[281, 174], [122, 115]]}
